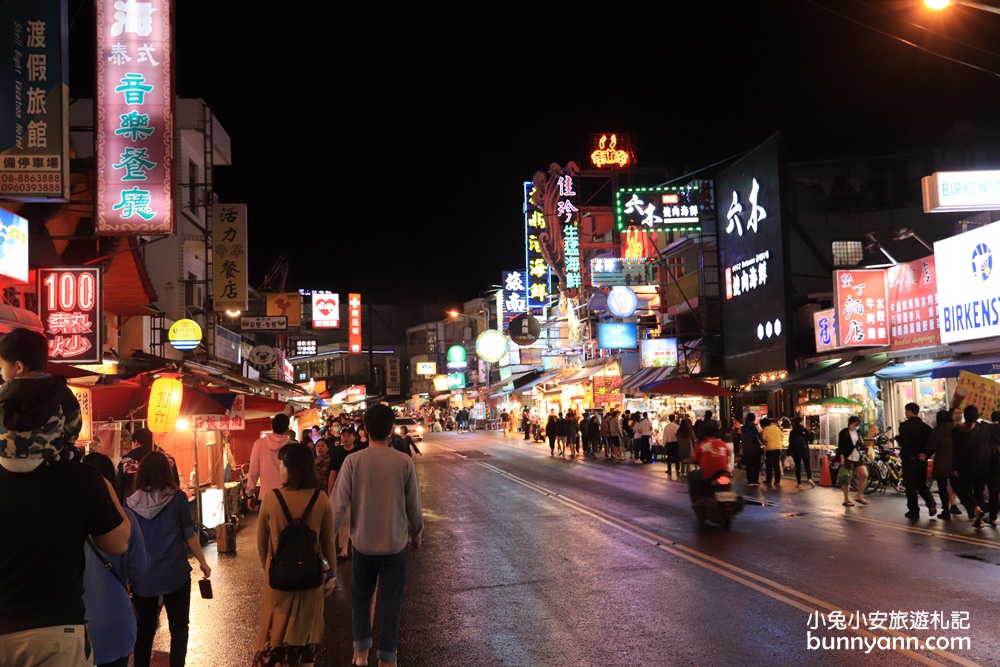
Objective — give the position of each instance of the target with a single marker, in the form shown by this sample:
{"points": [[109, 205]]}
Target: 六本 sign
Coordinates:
{"points": [[659, 208], [861, 305], [229, 257], [69, 305]]}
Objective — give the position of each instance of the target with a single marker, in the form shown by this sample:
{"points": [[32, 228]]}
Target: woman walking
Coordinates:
{"points": [[849, 452], [164, 517], [798, 448], [686, 441], [615, 436], [291, 622], [944, 461]]}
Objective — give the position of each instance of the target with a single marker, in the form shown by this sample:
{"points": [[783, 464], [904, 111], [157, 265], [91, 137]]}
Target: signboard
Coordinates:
{"points": [[86, 413], [607, 150], [525, 329], [184, 335], [229, 257], [612, 271], [135, 118], [263, 357], [945, 191], [491, 345], [515, 294], [751, 251], [913, 317], [304, 347], [860, 300], [440, 383], [456, 380], [622, 302], [325, 310], [13, 246], [657, 352], [637, 244], [825, 329], [976, 390], [34, 83], [456, 356], [427, 368], [264, 323], [617, 335], [968, 294], [69, 305], [354, 323], [392, 376], [285, 304], [660, 208], [228, 345], [554, 194], [233, 420], [569, 214], [607, 389], [539, 285]]}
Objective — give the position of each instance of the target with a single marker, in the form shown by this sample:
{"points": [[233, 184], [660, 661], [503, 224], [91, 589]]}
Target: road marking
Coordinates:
{"points": [[784, 594]]}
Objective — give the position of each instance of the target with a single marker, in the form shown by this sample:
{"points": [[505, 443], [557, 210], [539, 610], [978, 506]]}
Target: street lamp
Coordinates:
{"points": [[941, 4]]}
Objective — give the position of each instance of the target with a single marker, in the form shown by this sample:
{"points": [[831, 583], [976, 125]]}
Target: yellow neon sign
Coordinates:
{"points": [[606, 157]]}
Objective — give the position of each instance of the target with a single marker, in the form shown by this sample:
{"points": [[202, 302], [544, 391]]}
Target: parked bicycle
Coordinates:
{"points": [[249, 502], [886, 471]]}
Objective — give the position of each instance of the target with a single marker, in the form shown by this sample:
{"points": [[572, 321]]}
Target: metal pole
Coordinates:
{"points": [[197, 484]]}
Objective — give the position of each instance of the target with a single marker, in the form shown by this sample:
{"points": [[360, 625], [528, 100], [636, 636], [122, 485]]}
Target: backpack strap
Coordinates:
{"points": [[305, 514], [284, 507]]}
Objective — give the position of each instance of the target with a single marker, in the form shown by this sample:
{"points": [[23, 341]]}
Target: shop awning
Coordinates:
{"points": [[909, 370], [512, 379], [582, 375], [18, 318], [858, 367], [635, 381], [980, 364], [441, 398], [531, 384], [803, 377]]}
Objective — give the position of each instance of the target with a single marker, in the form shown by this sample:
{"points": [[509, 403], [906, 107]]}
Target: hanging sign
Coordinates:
{"points": [[263, 357], [538, 271], [164, 404], [622, 302], [229, 257], [285, 304], [325, 310], [862, 310], [825, 327], [524, 329], [491, 345], [69, 305], [233, 420], [913, 316], [659, 208], [86, 412], [184, 335], [354, 323]]}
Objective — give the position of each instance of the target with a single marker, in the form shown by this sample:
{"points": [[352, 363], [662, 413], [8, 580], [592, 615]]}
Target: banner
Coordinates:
{"points": [[233, 420], [325, 310], [86, 413], [913, 304], [229, 257]]}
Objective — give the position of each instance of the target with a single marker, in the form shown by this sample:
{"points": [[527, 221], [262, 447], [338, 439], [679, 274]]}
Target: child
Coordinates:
{"points": [[39, 416]]}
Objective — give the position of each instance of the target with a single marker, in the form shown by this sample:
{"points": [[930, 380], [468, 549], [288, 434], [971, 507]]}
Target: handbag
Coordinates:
{"points": [[111, 568], [844, 476], [930, 468], [789, 463]]}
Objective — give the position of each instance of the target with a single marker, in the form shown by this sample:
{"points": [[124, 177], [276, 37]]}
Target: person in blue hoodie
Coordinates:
{"points": [[164, 517], [110, 616]]}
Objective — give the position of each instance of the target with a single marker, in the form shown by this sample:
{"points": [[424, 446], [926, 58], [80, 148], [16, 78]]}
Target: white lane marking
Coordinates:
{"points": [[743, 577]]}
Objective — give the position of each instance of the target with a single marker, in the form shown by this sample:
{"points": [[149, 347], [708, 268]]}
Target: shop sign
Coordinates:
{"points": [[184, 335], [69, 305], [662, 208], [515, 300], [608, 151], [457, 356], [968, 294], [392, 376], [636, 244], [263, 357], [229, 257], [555, 196], [13, 246], [751, 251], [426, 368], [287, 305], [456, 380], [617, 336], [86, 412], [539, 275], [135, 119], [570, 216], [325, 310], [440, 383], [304, 347], [825, 328], [34, 137], [264, 323], [233, 420], [525, 329], [607, 388], [227, 345], [861, 304], [913, 315], [945, 191], [354, 323], [658, 352], [612, 271], [972, 389], [622, 302]]}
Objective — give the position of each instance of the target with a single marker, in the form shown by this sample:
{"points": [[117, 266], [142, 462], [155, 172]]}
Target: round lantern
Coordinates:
{"points": [[164, 404], [622, 301], [184, 334], [491, 345]]}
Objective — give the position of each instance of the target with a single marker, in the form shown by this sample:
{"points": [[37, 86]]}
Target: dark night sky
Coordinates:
{"points": [[384, 147]]}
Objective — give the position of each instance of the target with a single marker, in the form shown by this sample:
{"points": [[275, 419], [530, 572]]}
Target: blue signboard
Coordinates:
{"points": [[617, 336]]}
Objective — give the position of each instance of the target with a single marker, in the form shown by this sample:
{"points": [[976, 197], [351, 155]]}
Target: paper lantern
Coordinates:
{"points": [[164, 404]]}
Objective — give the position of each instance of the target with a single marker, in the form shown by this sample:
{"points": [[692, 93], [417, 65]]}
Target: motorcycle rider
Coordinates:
{"points": [[712, 456]]}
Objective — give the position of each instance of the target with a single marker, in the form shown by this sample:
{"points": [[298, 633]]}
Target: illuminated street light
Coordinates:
{"points": [[941, 4], [182, 424]]}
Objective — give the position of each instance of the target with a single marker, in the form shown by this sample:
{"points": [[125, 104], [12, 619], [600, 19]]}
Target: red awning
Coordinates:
{"points": [[127, 287]]}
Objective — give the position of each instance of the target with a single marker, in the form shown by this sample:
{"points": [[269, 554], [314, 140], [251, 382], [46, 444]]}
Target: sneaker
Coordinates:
{"points": [[912, 515]]}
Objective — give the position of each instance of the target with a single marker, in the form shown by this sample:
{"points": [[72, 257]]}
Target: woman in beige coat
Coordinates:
{"points": [[291, 622]]}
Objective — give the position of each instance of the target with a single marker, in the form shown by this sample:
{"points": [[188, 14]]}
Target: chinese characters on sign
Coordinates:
{"points": [[747, 275], [913, 315], [229, 257], [354, 323], [568, 214], [304, 347], [659, 208], [325, 310], [861, 308], [69, 305], [607, 152], [34, 140], [538, 270], [976, 390], [612, 271], [86, 413], [285, 304], [825, 328], [607, 389], [637, 244], [514, 299], [754, 211], [233, 420], [262, 323], [134, 125]]}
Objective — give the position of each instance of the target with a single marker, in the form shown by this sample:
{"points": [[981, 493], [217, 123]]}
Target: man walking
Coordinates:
{"points": [[380, 485], [672, 449], [264, 457], [914, 445], [643, 433]]}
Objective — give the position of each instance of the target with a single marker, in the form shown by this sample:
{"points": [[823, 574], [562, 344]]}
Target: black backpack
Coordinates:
{"points": [[296, 564]]}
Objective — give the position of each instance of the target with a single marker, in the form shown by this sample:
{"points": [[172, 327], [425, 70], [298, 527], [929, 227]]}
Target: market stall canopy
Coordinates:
{"points": [[980, 364], [858, 367], [582, 375], [831, 400], [441, 398], [513, 379], [647, 376], [803, 377], [687, 387], [531, 384], [910, 370]]}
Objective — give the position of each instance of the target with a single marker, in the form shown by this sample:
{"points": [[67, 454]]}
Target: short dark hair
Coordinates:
{"points": [[708, 414], [853, 419], [279, 424], [378, 421], [300, 464], [143, 436], [347, 430], [750, 418], [970, 414], [995, 416], [798, 420], [912, 407], [155, 473], [765, 422], [103, 465], [944, 417], [29, 347]]}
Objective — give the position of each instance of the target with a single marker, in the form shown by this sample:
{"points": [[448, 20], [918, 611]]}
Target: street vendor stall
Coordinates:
{"points": [[826, 417]]}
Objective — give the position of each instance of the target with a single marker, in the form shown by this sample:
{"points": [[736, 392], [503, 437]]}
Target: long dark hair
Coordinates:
{"points": [[300, 464], [155, 473], [686, 429]]}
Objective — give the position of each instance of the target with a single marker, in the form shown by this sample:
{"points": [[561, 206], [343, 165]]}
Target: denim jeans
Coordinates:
{"points": [[389, 573]]}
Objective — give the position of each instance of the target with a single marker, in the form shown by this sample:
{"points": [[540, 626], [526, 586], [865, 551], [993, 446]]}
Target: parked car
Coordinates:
{"points": [[413, 427]]}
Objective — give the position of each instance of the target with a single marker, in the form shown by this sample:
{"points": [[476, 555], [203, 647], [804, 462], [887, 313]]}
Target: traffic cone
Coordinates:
{"points": [[824, 475]]}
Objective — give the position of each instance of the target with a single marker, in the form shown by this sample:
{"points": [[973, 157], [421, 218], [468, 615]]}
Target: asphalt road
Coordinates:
{"points": [[534, 560]]}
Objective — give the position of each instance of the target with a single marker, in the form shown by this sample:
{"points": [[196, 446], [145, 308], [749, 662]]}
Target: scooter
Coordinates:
{"points": [[537, 433], [716, 501]]}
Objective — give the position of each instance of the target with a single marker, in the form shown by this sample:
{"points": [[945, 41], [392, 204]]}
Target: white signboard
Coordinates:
{"points": [[325, 310], [233, 420], [946, 191], [968, 295]]}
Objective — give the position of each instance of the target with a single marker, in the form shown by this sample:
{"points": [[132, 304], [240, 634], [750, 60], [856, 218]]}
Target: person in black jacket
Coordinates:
{"points": [[752, 444], [974, 451], [798, 448], [849, 452], [551, 430], [914, 446], [944, 466]]}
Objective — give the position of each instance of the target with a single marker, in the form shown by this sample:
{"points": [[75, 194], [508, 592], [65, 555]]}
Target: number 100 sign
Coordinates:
{"points": [[69, 305]]}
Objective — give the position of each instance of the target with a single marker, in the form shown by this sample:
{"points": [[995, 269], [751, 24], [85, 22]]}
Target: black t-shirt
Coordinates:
{"points": [[338, 455], [51, 510]]}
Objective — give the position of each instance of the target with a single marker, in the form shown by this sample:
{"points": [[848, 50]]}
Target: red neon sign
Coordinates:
{"points": [[69, 305]]}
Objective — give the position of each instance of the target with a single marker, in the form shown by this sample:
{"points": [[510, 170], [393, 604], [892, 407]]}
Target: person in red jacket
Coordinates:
{"points": [[711, 455]]}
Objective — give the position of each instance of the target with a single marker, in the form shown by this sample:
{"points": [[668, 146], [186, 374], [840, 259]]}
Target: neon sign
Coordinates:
{"points": [[607, 155], [659, 208], [70, 309]]}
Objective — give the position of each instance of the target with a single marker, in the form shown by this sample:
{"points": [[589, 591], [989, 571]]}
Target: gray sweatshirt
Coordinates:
{"points": [[380, 486]]}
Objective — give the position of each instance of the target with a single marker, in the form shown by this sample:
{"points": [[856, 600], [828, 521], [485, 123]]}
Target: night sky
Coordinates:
{"points": [[383, 148]]}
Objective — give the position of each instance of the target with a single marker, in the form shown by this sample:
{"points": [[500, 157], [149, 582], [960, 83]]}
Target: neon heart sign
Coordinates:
{"points": [[325, 310]]}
